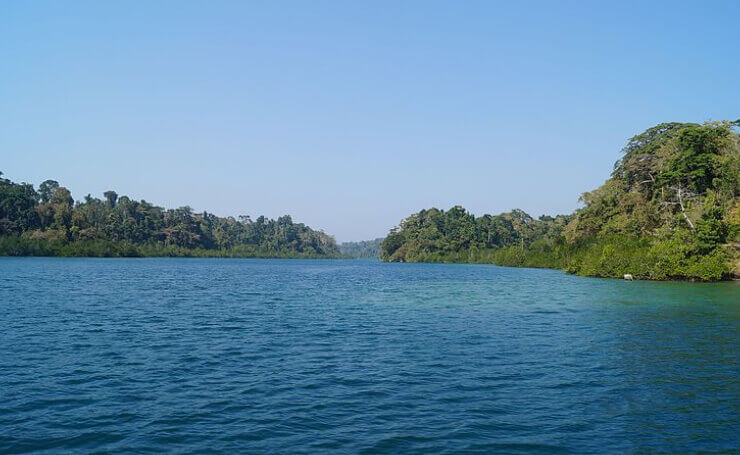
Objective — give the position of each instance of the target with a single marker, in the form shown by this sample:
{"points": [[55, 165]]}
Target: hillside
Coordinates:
{"points": [[362, 249], [49, 222], [669, 211]]}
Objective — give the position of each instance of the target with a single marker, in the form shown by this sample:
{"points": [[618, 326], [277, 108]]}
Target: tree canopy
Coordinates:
{"points": [[362, 249], [671, 209], [49, 221]]}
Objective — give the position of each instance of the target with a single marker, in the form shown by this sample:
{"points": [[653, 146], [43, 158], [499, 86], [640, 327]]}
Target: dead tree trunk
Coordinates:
{"points": [[683, 209]]}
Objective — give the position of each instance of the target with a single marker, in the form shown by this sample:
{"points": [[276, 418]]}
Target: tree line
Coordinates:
{"points": [[671, 210], [48, 221], [361, 249]]}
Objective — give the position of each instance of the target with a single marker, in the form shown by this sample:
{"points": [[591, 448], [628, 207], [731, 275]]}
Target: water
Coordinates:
{"points": [[322, 356]]}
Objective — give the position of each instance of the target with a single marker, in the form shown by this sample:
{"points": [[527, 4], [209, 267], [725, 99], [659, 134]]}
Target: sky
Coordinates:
{"points": [[350, 116]]}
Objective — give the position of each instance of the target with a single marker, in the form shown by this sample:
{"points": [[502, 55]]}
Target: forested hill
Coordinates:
{"points": [[49, 222], [671, 210], [362, 249]]}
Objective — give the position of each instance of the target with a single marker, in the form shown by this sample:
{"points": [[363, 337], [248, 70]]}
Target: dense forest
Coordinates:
{"points": [[49, 222], [363, 249], [671, 210]]}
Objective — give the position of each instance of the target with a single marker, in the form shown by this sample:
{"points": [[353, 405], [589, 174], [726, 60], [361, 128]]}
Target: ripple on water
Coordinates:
{"points": [[272, 356]]}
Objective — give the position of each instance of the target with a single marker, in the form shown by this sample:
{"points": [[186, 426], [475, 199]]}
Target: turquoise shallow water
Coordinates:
{"points": [[339, 356]]}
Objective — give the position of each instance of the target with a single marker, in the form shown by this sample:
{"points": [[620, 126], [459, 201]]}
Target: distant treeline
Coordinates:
{"points": [[363, 249], [671, 210], [49, 222]]}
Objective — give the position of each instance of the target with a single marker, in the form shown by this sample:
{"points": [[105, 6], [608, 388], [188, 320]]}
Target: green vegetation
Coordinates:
{"points": [[671, 210], [48, 222], [363, 249]]}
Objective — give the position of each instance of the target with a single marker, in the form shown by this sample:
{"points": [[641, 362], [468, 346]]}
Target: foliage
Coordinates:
{"points": [[49, 222], [362, 249], [671, 210], [443, 234]]}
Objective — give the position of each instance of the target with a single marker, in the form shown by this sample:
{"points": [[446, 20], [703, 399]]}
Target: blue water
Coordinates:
{"points": [[340, 356]]}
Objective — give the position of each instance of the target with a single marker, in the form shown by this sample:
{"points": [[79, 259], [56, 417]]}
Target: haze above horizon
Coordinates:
{"points": [[350, 117]]}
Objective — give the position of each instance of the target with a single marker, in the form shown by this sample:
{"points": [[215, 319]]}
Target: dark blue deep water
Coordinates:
{"points": [[321, 356]]}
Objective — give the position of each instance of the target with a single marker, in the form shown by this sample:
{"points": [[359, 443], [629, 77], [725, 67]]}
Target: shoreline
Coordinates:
{"points": [[636, 278]]}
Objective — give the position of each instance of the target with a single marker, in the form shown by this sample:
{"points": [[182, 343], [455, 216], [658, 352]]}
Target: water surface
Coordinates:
{"points": [[339, 356]]}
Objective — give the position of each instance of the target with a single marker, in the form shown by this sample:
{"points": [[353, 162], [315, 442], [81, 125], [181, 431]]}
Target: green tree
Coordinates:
{"points": [[47, 189], [111, 197]]}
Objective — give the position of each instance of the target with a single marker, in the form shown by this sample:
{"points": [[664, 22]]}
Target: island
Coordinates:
{"points": [[670, 211]]}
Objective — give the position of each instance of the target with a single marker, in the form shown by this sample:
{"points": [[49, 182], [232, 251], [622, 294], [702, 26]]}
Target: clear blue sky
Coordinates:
{"points": [[351, 115]]}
